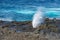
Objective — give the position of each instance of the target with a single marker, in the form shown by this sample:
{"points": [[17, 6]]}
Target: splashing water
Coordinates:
{"points": [[38, 18]]}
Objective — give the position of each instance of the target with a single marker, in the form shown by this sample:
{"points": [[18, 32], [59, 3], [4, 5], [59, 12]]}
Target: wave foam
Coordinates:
{"points": [[6, 19], [38, 19]]}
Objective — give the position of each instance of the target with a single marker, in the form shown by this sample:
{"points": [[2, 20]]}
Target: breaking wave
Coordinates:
{"points": [[6, 19], [38, 18]]}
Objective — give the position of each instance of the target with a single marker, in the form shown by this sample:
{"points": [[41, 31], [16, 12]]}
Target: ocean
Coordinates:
{"points": [[23, 10], [21, 16]]}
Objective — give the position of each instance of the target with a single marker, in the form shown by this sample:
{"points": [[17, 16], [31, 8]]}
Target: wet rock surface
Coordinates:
{"points": [[18, 26]]}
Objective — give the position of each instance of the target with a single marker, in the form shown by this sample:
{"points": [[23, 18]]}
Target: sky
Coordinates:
{"points": [[20, 10]]}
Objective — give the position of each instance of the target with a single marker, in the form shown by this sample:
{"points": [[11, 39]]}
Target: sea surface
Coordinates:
{"points": [[24, 16], [23, 10]]}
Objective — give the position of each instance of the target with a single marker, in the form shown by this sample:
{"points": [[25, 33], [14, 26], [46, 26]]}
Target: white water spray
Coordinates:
{"points": [[38, 18]]}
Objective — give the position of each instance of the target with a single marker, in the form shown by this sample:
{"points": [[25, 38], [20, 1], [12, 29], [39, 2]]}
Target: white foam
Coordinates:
{"points": [[6, 19], [38, 18]]}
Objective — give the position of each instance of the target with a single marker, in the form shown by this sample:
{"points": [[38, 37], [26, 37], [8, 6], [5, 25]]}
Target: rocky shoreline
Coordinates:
{"points": [[50, 30]]}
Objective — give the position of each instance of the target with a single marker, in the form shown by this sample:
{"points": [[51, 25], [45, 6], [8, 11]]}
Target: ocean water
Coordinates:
{"points": [[23, 10], [25, 15], [15, 17]]}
